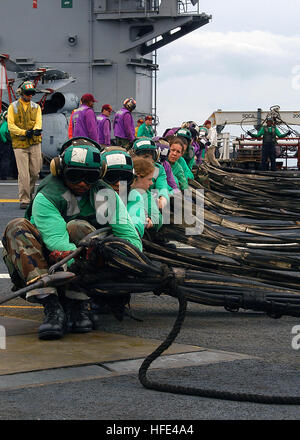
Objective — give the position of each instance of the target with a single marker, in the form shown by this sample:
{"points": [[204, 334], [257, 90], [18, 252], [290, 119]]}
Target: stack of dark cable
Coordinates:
{"points": [[242, 263], [139, 273], [248, 257]]}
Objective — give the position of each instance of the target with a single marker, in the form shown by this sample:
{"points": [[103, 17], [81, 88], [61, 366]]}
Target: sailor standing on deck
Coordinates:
{"points": [[104, 125], [124, 128], [146, 129], [84, 123], [269, 134], [213, 139], [24, 119]]}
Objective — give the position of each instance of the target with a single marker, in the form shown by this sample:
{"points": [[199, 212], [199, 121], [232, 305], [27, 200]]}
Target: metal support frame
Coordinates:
{"points": [[285, 143]]}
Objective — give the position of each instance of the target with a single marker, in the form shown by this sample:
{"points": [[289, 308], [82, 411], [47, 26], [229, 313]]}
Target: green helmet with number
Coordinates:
{"points": [[146, 146], [92, 157], [78, 160], [203, 131], [82, 156], [185, 133], [118, 165]]}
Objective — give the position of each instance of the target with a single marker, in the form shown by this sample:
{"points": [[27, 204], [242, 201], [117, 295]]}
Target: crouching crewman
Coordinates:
{"points": [[61, 214]]}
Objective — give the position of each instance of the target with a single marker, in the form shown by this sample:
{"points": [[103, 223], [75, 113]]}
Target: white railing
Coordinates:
{"points": [[151, 6], [126, 6]]}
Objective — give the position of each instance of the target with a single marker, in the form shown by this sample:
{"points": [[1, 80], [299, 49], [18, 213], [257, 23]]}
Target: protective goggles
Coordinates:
{"points": [[76, 175], [113, 176], [29, 92]]}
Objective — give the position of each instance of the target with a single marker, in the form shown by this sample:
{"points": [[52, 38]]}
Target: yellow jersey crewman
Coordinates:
{"points": [[24, 119]]}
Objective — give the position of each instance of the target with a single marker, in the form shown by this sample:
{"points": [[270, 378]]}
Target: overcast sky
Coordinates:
{"points": [[247, 57]]}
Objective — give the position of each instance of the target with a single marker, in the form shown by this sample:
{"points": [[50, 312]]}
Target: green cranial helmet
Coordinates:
{"points": [[27, 88], [144, 146], [185, 133], [82, 156], [118, 166], [203, 131], [117, 160]]}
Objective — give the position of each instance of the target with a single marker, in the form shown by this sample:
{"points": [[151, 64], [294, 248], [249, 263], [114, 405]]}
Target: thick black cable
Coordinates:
{"points": [[201, 392]]}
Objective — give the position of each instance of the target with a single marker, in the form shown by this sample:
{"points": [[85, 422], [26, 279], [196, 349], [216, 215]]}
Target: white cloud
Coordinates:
{"points": [[246, 53], [205, 71]]}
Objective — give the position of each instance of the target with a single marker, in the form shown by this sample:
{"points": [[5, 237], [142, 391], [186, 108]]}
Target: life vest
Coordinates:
{"points": [[54, 189], [119, 128], [79, 128], [269, 136], [101, 119], [26, 121]]}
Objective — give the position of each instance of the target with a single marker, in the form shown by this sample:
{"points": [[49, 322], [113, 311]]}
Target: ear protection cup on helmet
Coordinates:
{"points": [[56, 166], [157, 152]]}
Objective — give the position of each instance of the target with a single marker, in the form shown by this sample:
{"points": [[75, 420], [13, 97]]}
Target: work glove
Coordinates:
{"points": [[56, 256], [288, 133], [29, 133], [37, 132], [249, 133]]}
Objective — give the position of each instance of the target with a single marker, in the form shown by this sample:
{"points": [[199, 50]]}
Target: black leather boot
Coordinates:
{"points": [[98, 308], [54, 324], [78, 316]]}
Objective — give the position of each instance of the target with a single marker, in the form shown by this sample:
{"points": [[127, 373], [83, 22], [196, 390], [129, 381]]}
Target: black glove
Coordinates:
{"points": [[37, 132], [29, 133], [288, 133], [249, 133]]}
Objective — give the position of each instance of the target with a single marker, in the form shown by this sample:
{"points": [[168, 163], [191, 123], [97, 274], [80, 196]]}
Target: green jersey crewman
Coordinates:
{"points": [[146, 129], [187, 160], [269, 133], [68, 206]]}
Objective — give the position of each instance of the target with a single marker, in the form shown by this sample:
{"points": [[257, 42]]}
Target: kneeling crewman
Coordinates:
{"points": [[64, 210]]}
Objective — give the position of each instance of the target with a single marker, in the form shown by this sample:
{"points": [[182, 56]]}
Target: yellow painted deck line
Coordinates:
{"points": [[22, 307], [9, 200]]}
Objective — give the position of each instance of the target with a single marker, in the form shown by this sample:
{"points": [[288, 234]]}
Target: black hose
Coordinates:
{"points": [[201, 392]]}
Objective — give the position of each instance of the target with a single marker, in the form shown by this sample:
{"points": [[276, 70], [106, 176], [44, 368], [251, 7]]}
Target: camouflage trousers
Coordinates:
{"points": [[26, 256]]}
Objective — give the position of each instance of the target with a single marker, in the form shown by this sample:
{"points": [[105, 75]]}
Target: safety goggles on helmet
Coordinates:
{"points": [[119, 166], [27, 88], [113, 176], [29, 93], [76, 175]]}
